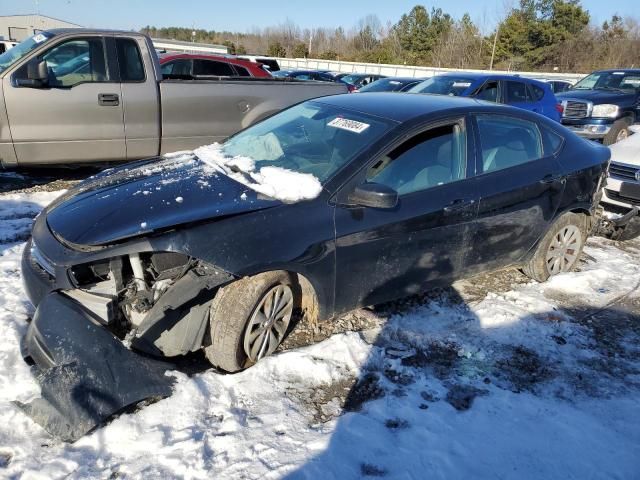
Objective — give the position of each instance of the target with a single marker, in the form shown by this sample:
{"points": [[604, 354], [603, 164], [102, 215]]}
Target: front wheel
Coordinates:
{"points": [[560, 248], [249, 319], [619, 131]]}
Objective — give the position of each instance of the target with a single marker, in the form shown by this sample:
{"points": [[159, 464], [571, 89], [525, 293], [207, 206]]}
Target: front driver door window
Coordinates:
{"points": [[77, 61], [432, 158], [384, 254]]}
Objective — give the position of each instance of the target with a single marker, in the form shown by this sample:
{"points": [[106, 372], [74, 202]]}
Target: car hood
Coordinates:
{"points": [[149, 196], [628, 150], [597, 96]]}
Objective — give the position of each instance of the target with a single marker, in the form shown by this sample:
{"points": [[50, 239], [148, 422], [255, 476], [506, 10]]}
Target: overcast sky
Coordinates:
{"points": [[243, 15]]}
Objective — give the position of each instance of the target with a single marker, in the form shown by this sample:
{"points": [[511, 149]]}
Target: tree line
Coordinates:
{"points": [[533, 35]]}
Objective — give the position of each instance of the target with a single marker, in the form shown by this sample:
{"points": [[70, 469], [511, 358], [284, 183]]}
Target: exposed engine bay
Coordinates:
{"points": [[131, 294]]}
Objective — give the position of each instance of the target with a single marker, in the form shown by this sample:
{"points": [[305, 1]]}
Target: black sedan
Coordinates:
{"points": [[335, 203]]}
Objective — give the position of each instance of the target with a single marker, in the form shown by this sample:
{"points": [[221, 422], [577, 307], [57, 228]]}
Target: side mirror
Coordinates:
{"points": [[374, 195], [37, 75]]}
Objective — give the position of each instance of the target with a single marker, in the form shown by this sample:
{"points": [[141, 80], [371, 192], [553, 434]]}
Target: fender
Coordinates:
{"points": [[178, 321]]}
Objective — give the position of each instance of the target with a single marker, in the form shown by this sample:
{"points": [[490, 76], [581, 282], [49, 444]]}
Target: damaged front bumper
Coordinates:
{"points": [[86, 374]]}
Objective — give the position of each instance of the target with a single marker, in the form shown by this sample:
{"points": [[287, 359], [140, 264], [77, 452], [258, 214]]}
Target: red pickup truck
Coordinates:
{"points": [[181, 65]]}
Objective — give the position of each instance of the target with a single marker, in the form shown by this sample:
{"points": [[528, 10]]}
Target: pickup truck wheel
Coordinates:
{"points": [[560, 249], [619, 131], [249, 318]]}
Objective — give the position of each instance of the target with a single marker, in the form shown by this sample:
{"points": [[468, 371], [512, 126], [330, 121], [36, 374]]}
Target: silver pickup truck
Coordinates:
{"points": [[79, 95]]}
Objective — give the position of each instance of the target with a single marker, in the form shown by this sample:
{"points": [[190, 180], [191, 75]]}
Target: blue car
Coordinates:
{"points": [[512, 90]]}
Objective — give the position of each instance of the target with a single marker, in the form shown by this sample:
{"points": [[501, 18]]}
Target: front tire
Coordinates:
{"points": [[249, 318], [560, 249], [619, 131]]}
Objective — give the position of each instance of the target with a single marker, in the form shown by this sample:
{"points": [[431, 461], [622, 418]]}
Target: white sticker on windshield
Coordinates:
{"points": [[462, 84], [39, 38], [350, 125]]}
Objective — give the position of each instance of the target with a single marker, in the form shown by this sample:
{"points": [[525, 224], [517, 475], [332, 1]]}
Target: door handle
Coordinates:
{"points": [[458, 205], [108, 99]]}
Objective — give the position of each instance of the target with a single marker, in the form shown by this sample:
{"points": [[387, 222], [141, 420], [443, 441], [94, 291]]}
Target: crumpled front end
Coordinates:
{"points": [[86, 374], [102, 321]]}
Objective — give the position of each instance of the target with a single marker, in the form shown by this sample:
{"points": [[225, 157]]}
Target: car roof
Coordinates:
{"points": [[404, 79], [166, 57], [482, 75], [402, 107], [625, 70]]}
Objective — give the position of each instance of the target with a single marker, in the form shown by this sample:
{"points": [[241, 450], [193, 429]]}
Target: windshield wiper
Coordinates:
{"points": [[245, 175]]}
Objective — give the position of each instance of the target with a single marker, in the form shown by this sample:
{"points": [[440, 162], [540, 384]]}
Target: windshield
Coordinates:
{"points": [[308, 141], [352, 79], [14, 54], [443, 85], [609, 81]]}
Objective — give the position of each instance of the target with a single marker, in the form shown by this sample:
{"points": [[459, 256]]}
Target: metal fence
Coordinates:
{"points": [[405, 70]]}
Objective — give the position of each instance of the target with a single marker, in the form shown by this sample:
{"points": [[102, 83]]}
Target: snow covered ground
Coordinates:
{"points": [[496, 377]]}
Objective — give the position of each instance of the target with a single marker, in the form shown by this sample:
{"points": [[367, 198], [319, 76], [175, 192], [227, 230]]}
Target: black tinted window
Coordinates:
{"points": [[209, 67], [241, 71], [507, 141], [129, 60], [432, 158], [537, 93], [488, 92], [515, 92]]}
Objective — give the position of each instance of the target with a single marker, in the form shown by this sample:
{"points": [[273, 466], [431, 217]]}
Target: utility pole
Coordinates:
{"points": [[310, 39], [493, 51]]}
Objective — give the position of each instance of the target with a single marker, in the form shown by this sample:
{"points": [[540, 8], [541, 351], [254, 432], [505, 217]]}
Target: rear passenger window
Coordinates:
{"points": [[432, 158], [241, 71], [552, 141], [177, 67], [488, 92], [516, 92], [507, 142], [216, 69], [537, 93], [129, 60]]}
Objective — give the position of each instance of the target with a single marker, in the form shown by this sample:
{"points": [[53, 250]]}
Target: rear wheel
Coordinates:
{"points": [[560, 249], [249, 319]]}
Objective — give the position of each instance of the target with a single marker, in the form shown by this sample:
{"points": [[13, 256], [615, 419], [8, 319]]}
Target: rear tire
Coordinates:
{"points": [[249, 318], [560, 249], [619, 131]]}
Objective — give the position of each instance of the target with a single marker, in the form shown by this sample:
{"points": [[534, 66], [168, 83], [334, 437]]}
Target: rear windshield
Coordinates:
{"points": [[14, 54], [443, 85], [384, 85]]}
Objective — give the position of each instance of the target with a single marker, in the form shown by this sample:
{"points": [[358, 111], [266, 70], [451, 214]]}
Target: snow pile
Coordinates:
{"points": [[523, 380], [276, 182], [627, 150]]}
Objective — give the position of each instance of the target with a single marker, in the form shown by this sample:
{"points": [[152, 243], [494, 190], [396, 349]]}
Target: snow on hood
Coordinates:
{"points": [[627, 150], [276, 182]]}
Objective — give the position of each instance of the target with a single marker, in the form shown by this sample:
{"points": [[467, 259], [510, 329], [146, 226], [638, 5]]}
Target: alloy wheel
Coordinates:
{"points": [[622, 134], [268, 323], [563, 251]]}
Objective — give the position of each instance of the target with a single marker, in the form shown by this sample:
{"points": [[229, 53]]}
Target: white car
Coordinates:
{"points": [[623, 184]]}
